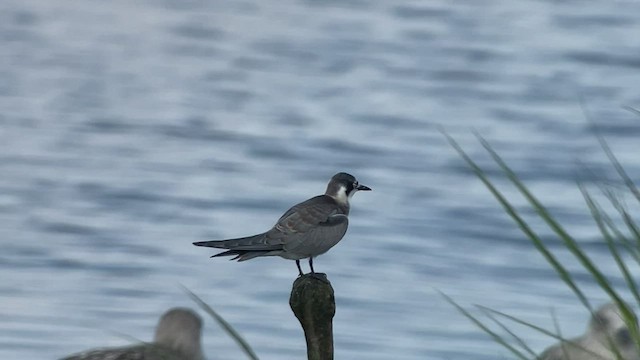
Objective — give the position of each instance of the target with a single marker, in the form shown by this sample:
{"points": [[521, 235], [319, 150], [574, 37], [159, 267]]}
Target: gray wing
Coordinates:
{"points": [[579, 348], [307, 229], [552, 353], [310, 228], [146, 351], [321, 238]]}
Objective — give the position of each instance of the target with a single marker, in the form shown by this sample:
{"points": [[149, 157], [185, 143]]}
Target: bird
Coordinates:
{"points": [[607, 329], [306, 230], [177, 337]]}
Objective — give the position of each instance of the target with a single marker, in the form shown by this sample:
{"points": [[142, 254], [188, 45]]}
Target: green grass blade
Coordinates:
{"points": [[496, 337], [624, 241], [631, 225], [224, 324], [569, 242], [509, 209], [627, 314], [629, 222], [619, 169], [631, 109], [539, 329], [523, 323], [610, 232], [597, 213], [504, 328], [629, 245], [556, 326]]}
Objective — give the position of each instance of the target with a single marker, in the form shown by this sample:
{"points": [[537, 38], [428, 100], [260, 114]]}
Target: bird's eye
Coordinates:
{"points": [[600, 321], [355, 185], [623, 338]]}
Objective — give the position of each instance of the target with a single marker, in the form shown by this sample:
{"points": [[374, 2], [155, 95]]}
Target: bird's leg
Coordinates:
{"points": [[299, 268], [320, 276]]}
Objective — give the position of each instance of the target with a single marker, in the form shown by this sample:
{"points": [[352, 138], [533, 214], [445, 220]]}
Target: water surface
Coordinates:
{"points": [[130, 129]]}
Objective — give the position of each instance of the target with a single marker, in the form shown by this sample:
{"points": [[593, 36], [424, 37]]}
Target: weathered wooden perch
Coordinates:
{"points": [[313, 304]]}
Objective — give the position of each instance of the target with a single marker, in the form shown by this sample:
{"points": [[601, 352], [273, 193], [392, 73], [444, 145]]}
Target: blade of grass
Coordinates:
{"points": [[631, 225], [612, 158], [506, 329], [539, 329], [629, 222], [627, 315], [522, 322], [224, 324], [569, 242], [631, 109], [624, 241], [496, 337], [509, 209], [628, 244], [597, 213], [619, 169], [556, 326]]}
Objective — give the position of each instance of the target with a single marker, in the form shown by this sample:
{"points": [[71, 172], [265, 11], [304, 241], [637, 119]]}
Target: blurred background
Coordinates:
{"points": [[130, 129]]}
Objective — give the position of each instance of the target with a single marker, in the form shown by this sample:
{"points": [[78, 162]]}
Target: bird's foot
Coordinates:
{"points": [[320, 276]]}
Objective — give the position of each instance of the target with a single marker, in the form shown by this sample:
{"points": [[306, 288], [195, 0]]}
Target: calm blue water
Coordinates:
{"points": [[129, 129]]}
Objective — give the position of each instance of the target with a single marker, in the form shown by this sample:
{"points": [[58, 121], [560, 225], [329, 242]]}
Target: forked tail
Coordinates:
{"points": [[242, 248]]}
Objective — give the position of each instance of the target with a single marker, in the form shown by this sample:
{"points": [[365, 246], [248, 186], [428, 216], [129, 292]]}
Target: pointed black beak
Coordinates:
{"points": [[363, 187]]}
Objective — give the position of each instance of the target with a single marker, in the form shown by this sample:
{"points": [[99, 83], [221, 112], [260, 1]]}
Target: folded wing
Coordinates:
{"points": [[307, 229]]}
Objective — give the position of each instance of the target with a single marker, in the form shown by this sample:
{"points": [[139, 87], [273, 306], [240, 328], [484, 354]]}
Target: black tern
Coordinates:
{"points": [[606, 329], [308, 229], [177, 338]]}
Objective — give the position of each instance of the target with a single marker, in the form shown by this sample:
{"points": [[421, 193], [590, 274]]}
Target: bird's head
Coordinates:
{"points": [[608, 327], [342, 186]]}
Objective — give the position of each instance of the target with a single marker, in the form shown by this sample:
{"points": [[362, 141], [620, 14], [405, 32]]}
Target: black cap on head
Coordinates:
{"points": [[344, 178], [349, 181]]}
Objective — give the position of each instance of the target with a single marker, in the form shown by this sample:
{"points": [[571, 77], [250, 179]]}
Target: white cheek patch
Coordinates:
{"points": [[341, 196]]}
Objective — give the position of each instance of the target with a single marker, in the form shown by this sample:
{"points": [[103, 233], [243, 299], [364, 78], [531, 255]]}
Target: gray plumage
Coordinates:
{"points": [[177, 338], [306, 230], [606, 330]]}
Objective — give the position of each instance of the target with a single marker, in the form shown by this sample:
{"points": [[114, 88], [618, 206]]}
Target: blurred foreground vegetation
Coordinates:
{"points": [[618, 230]]}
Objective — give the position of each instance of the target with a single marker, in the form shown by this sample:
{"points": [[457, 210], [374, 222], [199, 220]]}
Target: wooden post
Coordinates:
{"points": [[313, 304]]}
